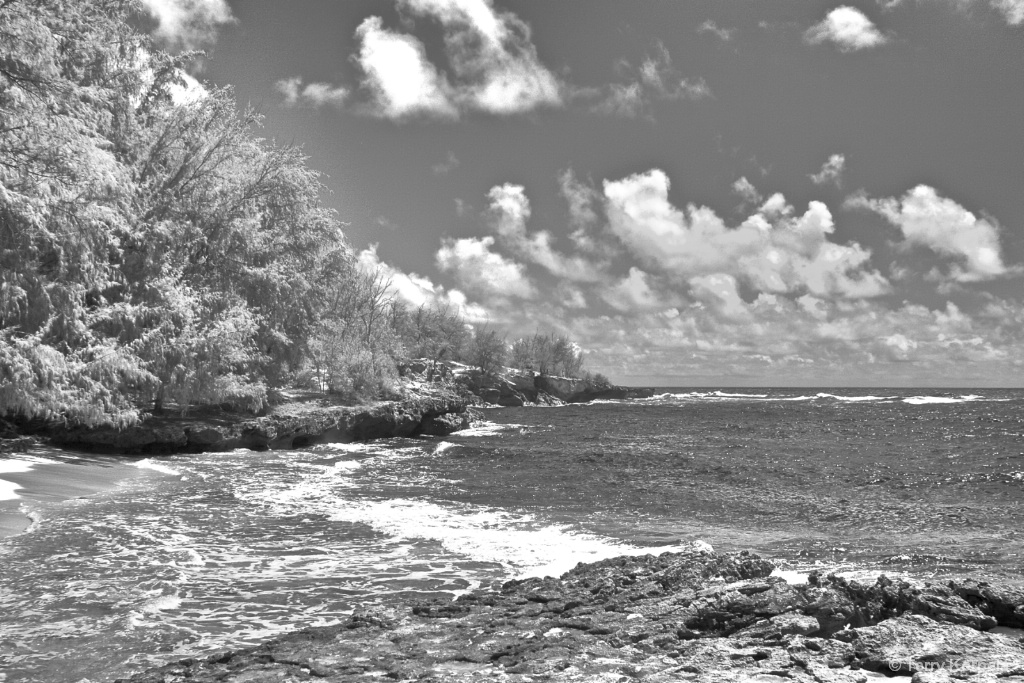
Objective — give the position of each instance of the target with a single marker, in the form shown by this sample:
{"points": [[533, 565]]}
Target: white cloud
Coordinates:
{"points": [[187, 24], [634, 293], [848, 28], [771, 251], [312, 94], [944, 227], [483, 272], [831, 171], [1012, 10], [656, 79], [492, 57], [724, 34], [746, 190], [402, 82], [509, 211], [417, 290]]}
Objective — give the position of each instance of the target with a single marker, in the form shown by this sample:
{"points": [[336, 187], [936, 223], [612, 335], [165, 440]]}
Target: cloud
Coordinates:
{"points": [[636, 293], [582, 199], [417, 290], [482, 271], [187, 24], [447, 166], [746, 190], [655, 80], [402, 82], [848, 28], [509, 211], [723, 34], [771, 251], [946, 228], [831, 171], [314, 95], [492, 57], [1012, 11]]}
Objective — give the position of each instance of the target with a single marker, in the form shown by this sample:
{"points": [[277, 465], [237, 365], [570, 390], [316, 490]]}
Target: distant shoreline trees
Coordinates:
{"points": [[154, 250]]}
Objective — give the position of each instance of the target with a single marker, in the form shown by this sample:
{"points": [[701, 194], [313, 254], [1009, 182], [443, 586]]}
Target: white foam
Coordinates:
{"points": [[856, 399], [722, 394], [442, 447], [488, 535], [487, 429], [347, 465], [148, 464], [925, 400]]}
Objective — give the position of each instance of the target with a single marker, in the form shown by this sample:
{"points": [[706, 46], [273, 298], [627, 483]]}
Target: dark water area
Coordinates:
{"points": [[185, 555]]}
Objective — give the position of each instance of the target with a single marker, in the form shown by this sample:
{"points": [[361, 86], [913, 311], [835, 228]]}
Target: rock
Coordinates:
{"points": [[916, 643], [695, 615], [438, 415], [443, 425]]}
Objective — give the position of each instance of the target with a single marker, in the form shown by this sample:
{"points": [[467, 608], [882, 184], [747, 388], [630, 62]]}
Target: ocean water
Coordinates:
{"points": [[194, 553]]}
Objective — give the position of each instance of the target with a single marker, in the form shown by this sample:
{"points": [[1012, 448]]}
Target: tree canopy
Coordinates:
{"points": [[154, 249]]}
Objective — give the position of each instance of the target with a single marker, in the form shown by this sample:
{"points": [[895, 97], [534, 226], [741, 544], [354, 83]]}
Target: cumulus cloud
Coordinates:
{"points": [[402, 82], [848, 28], [636, 293], [187, 24], [946, 228], [655, 80], [509, 211], [771, 251], [482, 271], [831, 171], [492, 56], [311, 94]]}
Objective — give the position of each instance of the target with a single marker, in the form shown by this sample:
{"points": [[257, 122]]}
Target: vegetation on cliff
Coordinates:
{"points": [[155, 250]]}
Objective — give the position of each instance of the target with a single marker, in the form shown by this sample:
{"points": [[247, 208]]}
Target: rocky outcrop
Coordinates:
{"points": [[693, 616], [440, 414], [515, 388]]}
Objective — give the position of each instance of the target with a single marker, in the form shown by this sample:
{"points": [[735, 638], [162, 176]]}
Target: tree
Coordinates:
{"points": [[488, 351]]}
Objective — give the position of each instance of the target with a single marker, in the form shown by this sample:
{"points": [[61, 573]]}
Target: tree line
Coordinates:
{"points": [[155, 250]]}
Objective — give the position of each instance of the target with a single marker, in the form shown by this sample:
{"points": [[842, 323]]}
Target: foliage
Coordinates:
{"points": [[488, 351], [150, 250], [548, 354]]}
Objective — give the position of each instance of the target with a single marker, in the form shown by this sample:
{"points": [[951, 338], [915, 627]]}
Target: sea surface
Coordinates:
{"points": [[184, 555]]}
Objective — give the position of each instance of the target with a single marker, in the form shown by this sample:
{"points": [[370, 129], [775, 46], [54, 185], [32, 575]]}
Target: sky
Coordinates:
{"points": [[700, 193]]}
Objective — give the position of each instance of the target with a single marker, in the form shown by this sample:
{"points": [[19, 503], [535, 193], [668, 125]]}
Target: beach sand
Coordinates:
{"points": [[50, 476]]}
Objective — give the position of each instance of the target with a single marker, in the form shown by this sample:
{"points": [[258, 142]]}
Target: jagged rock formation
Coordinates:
{"points": [[291, 427], [691, 616]]}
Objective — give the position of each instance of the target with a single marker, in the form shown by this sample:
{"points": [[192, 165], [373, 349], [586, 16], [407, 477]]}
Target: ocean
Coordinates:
{"points": [[130, 563]]}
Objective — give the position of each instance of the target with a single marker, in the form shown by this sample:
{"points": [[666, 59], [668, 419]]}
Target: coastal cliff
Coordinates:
{"points": [[695, 615]]}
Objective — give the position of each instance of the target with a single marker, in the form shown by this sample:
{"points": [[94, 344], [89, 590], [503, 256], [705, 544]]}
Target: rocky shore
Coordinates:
{"points": [[689, 616], [438, 406], [292, 425]]}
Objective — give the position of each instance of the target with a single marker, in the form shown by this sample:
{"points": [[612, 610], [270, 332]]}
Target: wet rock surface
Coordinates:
{"points": [[689, 616]]}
